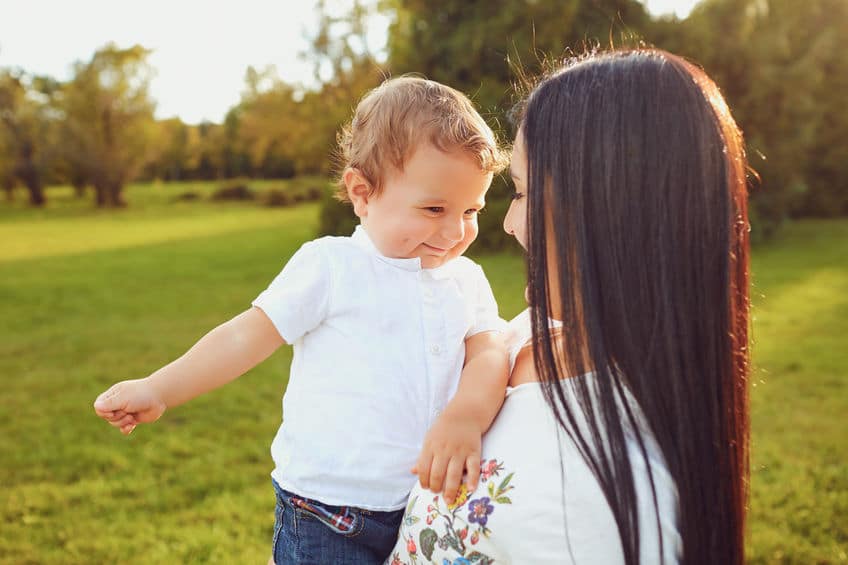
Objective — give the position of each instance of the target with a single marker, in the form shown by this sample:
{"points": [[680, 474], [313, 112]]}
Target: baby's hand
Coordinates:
{"points": [[451, 446], [129, 403]]}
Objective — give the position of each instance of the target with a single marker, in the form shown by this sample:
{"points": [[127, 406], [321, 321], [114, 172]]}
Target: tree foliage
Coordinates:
{"points": [[108, 120], [778, 62], [27, 131], [780, 66]]}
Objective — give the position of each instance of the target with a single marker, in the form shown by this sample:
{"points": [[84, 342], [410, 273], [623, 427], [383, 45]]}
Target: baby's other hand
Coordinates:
{"points": [[451, 447], [129, 403]]}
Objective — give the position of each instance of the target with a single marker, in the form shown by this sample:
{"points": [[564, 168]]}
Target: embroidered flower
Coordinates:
{"points": [[461, 498], [410, 546], [396, 559], [479, 510], [489, 469], [475, 537]]}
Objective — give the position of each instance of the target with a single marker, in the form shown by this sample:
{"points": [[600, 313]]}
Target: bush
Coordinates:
{"points": [[234, 191], [276, 197], [187, 197], [291, 193], [314, 193], [337, 218]]}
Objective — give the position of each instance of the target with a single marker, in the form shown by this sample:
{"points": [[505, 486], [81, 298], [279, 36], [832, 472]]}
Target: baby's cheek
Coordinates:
{"points": [[470, 236], [471, 233]]}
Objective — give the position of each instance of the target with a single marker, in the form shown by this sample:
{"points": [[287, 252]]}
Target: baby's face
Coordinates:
{"points": [[428, 210]]}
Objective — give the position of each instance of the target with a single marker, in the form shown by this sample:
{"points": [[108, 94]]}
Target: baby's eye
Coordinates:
{"points": [[517, 195], [471, 211], [435, 209]]}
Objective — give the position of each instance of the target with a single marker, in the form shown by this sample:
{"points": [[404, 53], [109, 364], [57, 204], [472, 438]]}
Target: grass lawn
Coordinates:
{"points": [[91, 297]]}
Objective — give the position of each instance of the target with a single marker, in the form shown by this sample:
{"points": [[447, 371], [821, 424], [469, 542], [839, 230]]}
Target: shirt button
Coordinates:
{"points": [[435, 349]]}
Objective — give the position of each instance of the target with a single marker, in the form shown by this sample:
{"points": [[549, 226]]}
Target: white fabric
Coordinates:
{"points": [[539, 500], [379, 344]]}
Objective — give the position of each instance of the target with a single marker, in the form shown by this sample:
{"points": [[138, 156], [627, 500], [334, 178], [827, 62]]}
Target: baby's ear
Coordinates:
{"points": [[359, 190]]}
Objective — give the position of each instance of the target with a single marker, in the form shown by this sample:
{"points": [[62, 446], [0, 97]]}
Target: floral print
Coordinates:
{"points": [[480, 510], [452, 531]]}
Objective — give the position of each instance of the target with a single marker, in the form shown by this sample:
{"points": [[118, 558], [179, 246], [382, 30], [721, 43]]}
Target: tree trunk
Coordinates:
{"points": [[36, 193], [99, 195], [9, 189], [29, 174], [32, 181], [116, 198]]}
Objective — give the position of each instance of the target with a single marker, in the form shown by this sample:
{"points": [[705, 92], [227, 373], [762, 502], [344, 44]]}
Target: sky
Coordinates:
{"points": [[200, 49]]}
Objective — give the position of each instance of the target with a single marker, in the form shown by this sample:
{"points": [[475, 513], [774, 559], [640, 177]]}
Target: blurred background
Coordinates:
{"points": [[161, 161]]}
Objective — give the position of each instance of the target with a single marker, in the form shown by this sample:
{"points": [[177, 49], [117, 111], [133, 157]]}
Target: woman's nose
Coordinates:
{"points": [[507, 222]]}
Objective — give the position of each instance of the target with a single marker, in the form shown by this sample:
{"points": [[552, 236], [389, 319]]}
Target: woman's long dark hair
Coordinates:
{"points": [[638, 241]]}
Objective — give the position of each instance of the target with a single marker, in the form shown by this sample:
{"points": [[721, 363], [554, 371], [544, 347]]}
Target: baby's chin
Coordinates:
{"points": [[429, 262]]}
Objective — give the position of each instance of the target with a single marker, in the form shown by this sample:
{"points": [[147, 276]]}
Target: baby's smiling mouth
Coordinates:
{"points": [[439, 250]]}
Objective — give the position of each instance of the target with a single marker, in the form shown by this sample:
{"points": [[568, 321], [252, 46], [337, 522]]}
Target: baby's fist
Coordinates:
{"points": [[129, 403]]}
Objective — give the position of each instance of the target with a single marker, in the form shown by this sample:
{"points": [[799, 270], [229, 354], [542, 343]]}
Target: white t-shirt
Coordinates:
{"points": [[379, 345], [538, 502]]}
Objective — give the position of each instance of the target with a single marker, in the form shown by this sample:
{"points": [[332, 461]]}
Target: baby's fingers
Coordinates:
{"points": [[127, 420], [438, 470], [472, 465], [115, 416], [453, 478], [110, 401], [127, 430], [425, 461]]}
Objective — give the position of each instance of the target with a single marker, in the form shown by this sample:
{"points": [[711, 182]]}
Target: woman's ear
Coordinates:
{"points": [[359, 190]]}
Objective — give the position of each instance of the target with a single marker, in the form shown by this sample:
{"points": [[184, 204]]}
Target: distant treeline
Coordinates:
{"points": [[779, 63]]}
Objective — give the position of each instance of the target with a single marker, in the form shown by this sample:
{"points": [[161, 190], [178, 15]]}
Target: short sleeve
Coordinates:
{"points": [[297, 300], [486, 318]]}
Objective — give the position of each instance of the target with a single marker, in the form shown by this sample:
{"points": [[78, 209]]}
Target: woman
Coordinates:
{"points": [[624, 435]]}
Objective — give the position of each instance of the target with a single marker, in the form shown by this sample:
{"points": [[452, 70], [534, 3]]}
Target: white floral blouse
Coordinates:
{"points": [[537, 501]]}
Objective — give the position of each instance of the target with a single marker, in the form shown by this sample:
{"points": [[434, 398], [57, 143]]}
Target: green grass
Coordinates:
{"points": [[91, 297]]}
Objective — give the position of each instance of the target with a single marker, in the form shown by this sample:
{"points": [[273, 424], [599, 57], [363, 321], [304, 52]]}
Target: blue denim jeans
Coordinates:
{"points": [[308, 532]]}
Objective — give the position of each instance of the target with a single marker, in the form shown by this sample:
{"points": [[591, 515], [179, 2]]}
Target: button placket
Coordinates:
{"points": [[434, 334]]}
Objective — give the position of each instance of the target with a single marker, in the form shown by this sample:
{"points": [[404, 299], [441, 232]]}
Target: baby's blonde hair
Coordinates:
{"points": [[395, 118]]}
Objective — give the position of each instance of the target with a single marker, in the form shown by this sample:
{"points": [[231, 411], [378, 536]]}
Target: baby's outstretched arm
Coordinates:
{"points": [[222, 355], [454, 441]]}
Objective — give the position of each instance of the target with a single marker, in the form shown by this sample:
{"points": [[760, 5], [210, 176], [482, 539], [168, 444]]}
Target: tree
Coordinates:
{"points": [[7, 178], [482, 49], [176, 151], [109, 119], [288, 129], [779, 65], [27, 128], [475, 46]]}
